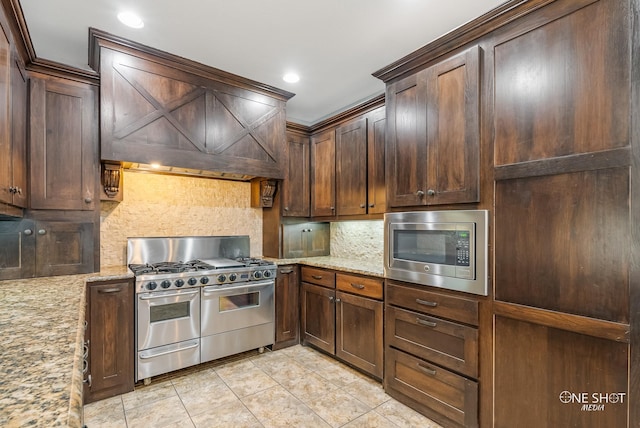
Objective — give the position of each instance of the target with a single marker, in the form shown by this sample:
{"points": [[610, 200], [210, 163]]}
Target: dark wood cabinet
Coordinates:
{"points": [[63, 144], [376, 149], [351, 168], [323, 174], [287, 306], [432, 353], [342, 314], [110, 336], [13, 127], [296, 198], [159, 108], [433, 129]]}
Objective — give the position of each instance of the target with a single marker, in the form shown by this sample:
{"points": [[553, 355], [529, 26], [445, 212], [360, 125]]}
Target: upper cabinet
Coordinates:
{"points": [[63, 144], [13, 116], [296, 187], [323, 174], [434, 133], [158, 108]]}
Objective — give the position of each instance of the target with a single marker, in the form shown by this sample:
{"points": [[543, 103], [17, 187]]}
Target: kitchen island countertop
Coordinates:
{"points": [[41, 337]]}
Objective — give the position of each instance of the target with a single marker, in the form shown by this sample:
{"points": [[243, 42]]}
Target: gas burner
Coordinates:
{"points": [[252, 261]]}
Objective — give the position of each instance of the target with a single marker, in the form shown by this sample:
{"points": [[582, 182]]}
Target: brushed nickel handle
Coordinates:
{"points": [[284, 272], [332, 299], [28, 232], [358, 286], [420, 193], [19, 190], [316, 276], [286, 208], [431, 192], [372, 205], [87, 200], [426, 323], [338, 300], [110, 290], [362, 205], [42, 232], [427, 370], [426, 303]]}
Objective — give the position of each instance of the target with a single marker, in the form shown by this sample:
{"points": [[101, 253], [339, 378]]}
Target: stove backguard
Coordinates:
{"points": [[185, 248]]}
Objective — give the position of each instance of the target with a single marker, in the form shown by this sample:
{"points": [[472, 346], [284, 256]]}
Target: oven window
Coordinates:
{"points": [[239, 301], [425, 246], [170, 311]]}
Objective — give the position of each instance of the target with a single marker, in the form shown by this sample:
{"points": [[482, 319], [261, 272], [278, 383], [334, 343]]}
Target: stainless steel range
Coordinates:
{"points": [[218, 302]]}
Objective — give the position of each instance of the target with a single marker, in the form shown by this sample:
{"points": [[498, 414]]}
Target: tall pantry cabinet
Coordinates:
{"points": [[559, 136]]}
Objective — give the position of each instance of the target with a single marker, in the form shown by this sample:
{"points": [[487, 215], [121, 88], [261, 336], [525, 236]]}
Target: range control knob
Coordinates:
{"points": [[222, 278], [233, 277], [165, 284], [192, 281], [179, 282], [204, 279], [257, 274], [152, 285], [267, 274]]}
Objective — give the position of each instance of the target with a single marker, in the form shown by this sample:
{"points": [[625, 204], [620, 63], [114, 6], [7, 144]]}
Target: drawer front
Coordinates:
{"points": [[437, 390], [368, 287], [442, 305], [452, 345], [321, 277]]}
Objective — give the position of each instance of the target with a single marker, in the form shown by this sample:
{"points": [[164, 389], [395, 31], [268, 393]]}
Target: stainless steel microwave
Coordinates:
{"points": [[446, 249]]}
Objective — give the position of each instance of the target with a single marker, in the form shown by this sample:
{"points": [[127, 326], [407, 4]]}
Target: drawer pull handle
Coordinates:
{"points": [[427, 370], [426, 303], [358, 286], [109, 290], [426, 323], [284, 272], [316, 276]]}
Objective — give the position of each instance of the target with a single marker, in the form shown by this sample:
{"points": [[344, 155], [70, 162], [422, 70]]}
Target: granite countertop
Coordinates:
{"points": [[338, 263], [41, 336]]}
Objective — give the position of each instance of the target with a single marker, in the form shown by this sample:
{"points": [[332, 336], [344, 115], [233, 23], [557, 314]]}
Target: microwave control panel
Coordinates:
{"points": [[462, 248]]}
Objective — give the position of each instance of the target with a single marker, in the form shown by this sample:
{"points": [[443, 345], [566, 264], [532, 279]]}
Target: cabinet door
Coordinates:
{"points": [[407, 144], [5, 117], [318, 314], [323, 179], [64, 248], [295, 187], [376, 190], [351, 168], [110, 314], [359, 339], [287, 307], [63, 144], [17, 248], [19, 94], [453, 129]]}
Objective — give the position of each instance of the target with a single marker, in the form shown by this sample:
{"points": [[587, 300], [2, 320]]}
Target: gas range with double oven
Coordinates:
{"points": [[218, 303]]}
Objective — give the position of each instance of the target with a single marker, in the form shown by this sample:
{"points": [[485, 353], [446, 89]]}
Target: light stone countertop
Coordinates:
{"points": [[41, 336], [361, 267]]}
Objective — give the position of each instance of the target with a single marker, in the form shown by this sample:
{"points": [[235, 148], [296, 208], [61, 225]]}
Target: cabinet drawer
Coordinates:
{"points": [[321, 277], [452, 345], [435, 389], [442, 305], [369, 287]]}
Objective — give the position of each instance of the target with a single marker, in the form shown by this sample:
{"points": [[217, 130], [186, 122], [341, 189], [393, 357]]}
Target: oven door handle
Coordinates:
{"points": [[151, 296], [146, 356], [250, 285]]}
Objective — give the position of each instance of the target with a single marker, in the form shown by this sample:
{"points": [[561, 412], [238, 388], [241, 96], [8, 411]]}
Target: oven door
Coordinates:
{"points": [[167, 317], [237, 307]]}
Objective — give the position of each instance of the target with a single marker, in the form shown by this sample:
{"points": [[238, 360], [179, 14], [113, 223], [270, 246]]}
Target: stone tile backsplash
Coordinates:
{"points": [[167, 205]]}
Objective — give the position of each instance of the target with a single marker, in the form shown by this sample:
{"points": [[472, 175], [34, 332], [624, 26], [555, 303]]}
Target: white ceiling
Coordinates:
{"points": [[334, 45]]}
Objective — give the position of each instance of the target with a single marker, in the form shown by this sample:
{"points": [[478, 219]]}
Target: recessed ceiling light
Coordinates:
{"points": [[130, 19], [291, 78]]}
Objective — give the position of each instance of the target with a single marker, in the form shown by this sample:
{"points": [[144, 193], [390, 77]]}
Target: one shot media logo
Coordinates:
{"points": [[592, 401]]}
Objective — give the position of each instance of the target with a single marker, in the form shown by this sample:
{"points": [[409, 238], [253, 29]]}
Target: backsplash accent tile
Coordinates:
{"points": [[167, 205], [359, 240]]}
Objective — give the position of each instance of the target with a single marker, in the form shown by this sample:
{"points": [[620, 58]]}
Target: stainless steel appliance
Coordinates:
{"points": [[446, 249], [218, 303]]}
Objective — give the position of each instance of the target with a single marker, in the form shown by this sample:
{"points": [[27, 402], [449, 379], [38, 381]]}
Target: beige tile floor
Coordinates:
{"points": [[292, 387]]}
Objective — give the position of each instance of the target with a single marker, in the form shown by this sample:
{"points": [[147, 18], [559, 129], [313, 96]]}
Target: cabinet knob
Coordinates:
{"points": [[372, 205], [419, 193], [286, 208], [362, 205], [431, 192], [12, 189], [19, 190], [28, 232], [332, 299], [42, 232], [333, 208], [87, 200]]}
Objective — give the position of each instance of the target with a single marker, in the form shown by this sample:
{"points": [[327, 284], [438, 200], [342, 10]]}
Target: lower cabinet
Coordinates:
{"points": [[109, 339], [33, 248], [287, 307], [431, 353], [342, 314]]}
